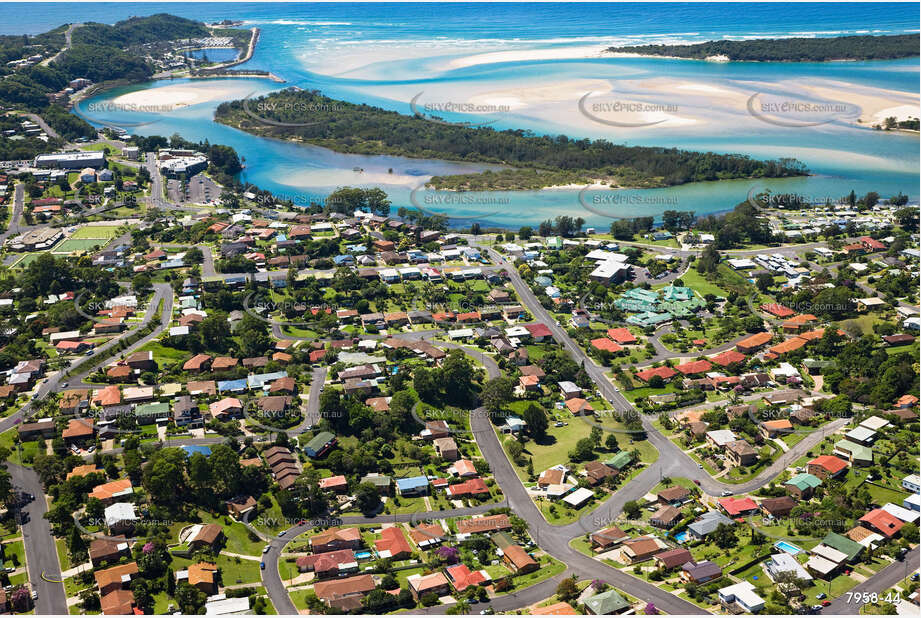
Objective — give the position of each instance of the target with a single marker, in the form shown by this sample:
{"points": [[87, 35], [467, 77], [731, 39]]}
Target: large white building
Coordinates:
{"points": [[72, 160]]}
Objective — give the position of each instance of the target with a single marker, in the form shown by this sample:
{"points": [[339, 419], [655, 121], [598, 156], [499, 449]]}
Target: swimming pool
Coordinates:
{"points": [[787, 547], [363, 555], [682, 536]]}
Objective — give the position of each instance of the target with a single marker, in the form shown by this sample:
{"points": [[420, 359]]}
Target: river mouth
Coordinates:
{"points": [[840, 155]]}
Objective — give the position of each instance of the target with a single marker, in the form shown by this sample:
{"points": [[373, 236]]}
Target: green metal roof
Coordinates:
{"points": [[609, 602], [621, 460], [804, 481], [857, 451], [843, 544]]}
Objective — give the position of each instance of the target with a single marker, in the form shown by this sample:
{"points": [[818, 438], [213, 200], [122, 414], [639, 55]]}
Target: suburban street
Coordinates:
{"points": [[41, 553]]}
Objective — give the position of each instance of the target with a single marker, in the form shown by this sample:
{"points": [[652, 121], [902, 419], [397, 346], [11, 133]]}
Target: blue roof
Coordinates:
{"points": [[281, 238], [194, 448], [343, 259], [232, 385], [413, 482]]}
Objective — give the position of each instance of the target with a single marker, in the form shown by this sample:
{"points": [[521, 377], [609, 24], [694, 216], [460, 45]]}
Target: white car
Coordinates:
{"points": [[266, 549]]}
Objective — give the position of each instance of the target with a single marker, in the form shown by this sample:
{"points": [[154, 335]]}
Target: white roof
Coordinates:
{"points": [[741, 263], [722, 437], [744, 592], [605, 256], [119, 512], [871, 301], [609, 268], [784, 563], [829, 553], [820, 565], [860, 433], [226, 606], [875, 423], [901, 513], [579, 496]]}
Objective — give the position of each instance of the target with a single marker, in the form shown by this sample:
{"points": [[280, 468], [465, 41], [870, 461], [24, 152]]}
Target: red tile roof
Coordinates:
{"points": [[777, 309], [727, 358], [755, 341], [737, 506], [621, 335], [538, 330], [603, 343], [692, 367], [664, 372], [883, 522], [830, 463]]}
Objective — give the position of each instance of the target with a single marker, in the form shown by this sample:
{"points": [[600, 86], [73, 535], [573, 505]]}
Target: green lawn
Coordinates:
{"points": [[72, 245], [14, 553], [554, 449], [698, 283], [95, 232]]}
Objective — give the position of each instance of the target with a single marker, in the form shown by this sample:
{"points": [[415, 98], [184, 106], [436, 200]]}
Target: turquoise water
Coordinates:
{"points": [[386, 55], [218, 54], [787, 547]]}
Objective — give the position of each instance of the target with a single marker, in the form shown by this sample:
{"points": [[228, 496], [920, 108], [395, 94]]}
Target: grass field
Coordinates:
{"points": [[72, 245], [95, 231], [26, 259]]}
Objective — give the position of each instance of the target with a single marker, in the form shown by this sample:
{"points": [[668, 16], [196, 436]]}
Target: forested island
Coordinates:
{"points": [[534, 161], [789, 50]]}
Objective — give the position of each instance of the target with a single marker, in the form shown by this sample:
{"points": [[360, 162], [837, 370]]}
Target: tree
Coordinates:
{"points": [[632, 509], [708, 261], [226, 471], [567, 589], [536, 418], [611, 443], [141, 283], [724, 536], [764, 281], [425, 384], [367, 498], [583, 451], [457, 377], [496, 393]]}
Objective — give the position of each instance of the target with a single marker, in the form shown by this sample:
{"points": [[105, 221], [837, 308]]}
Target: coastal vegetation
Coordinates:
{"points": [[539, 160], [789, 50]]}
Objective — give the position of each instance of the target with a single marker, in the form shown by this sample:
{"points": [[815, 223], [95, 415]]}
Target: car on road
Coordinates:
{"points": [[35, 595], [64, 384], [282, 533], [262, 565], [725, 493], [701, 466], [696, 482], [266, 549]]}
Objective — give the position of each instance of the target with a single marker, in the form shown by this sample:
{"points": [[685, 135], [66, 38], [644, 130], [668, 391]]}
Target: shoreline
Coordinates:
{"points": [[608, 52]]}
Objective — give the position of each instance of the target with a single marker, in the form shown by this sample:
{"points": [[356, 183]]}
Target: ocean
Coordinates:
{"points": [[530, 65]]}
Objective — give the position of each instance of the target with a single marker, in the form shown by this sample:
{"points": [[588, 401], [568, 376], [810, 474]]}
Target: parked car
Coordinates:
{"points": [[262, 565]]}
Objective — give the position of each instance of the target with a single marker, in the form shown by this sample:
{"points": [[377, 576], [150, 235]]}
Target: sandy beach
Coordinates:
{"points": [[552, 53], [875, 104], [167, 98]]}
